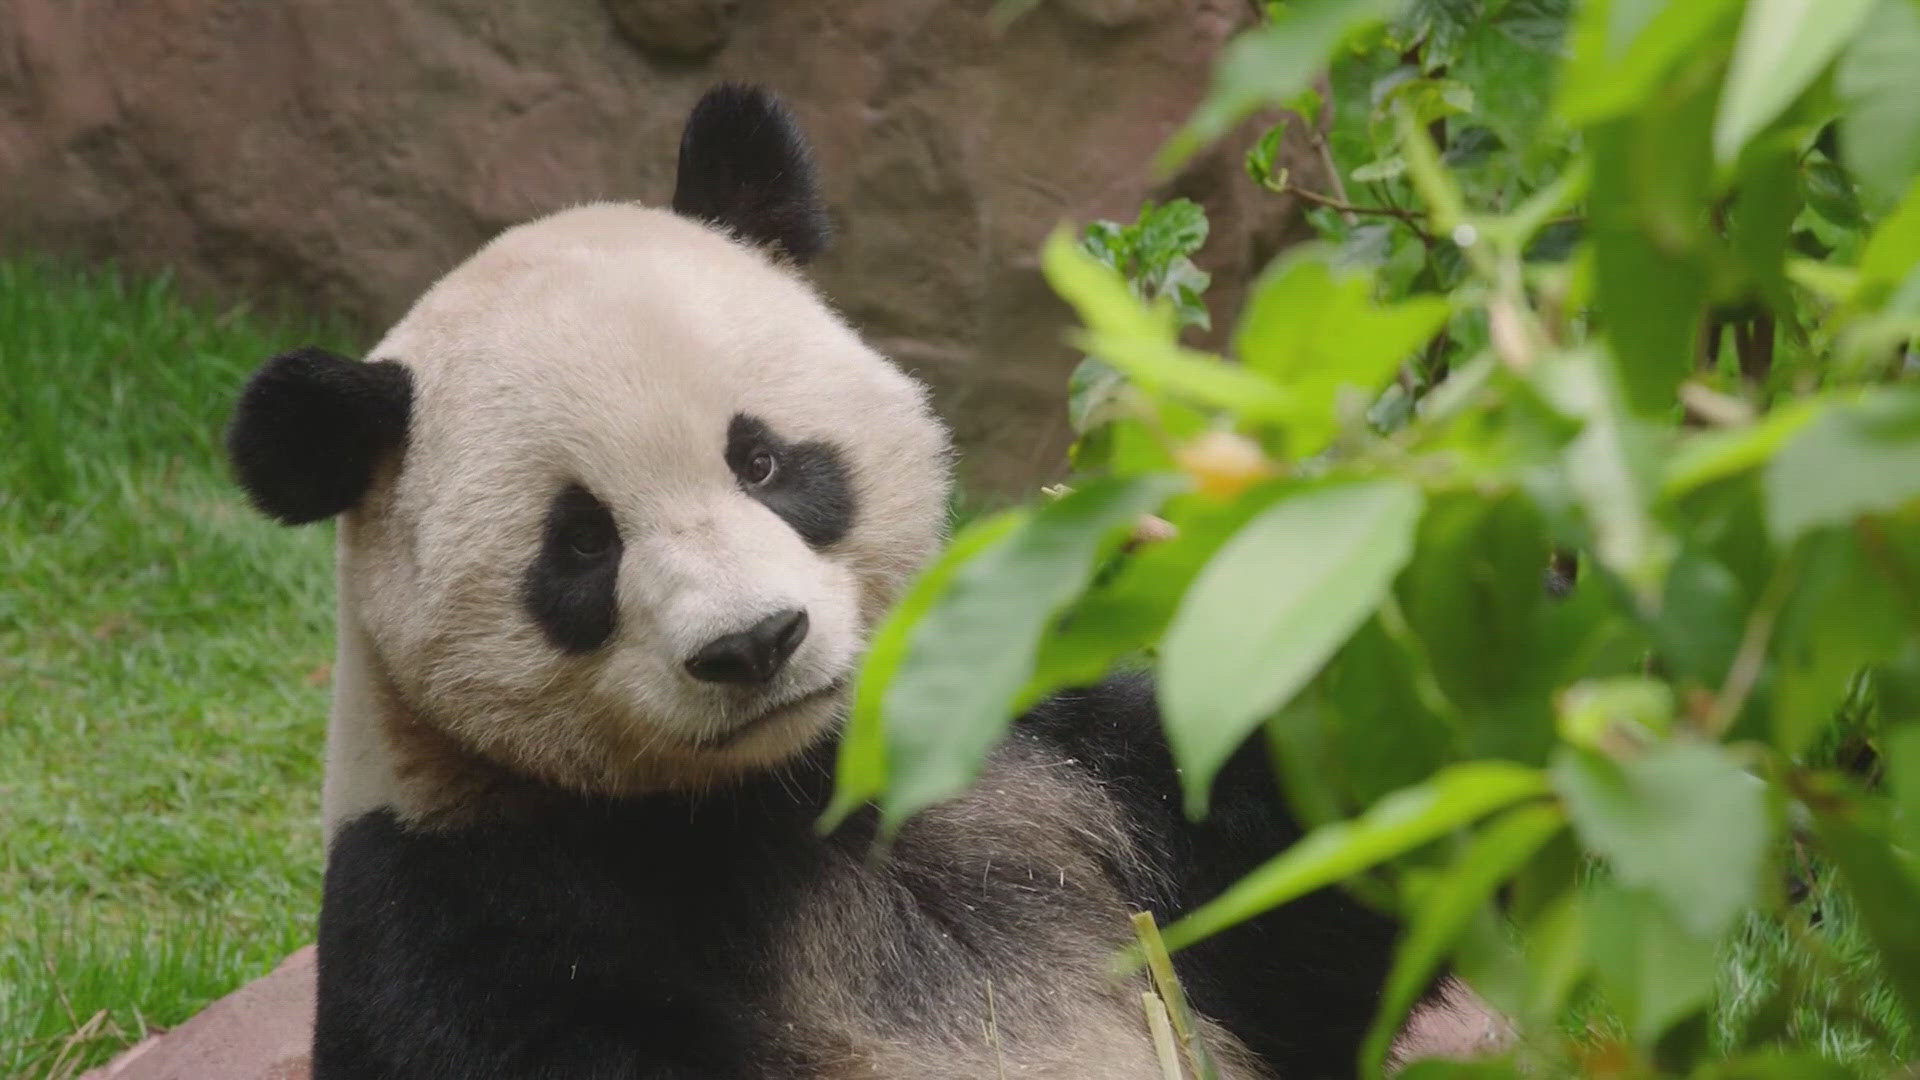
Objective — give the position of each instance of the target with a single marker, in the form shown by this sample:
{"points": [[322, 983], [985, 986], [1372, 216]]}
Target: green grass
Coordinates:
{"points": [[162, 672], [1821, 989]]}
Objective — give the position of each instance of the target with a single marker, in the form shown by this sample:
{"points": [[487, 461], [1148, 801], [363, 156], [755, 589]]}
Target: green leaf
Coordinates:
{"points": [[1890, 265], [1830, 283], [1539, 25], [1094, 393], [1702, 617], [1270, 608], [1387, 731], [1126, 610], [861, 772], [1261, 164], [1853, 459], [1171, 231], [1555, 944], [954, 689], [1106, 241], [1385, 168], [1718, 453], [1125, 443], [1098, 292], [1489, 958], [1782, 45], [1683, 820], [1652, 177], [1729, 527], [1842, 616], [1445, 908], [1885, 895], [1778, 1065], [1182, 285], [1446, 208], [1454, 798], [1656, 969], [1598, 713], [1270, 64], [1314, 332], [1764, 206], [1621, 48], [1829, 191], [1444, 1069], [1902, 754], [1300, 743], [1140, 341], [1878, 82], [1480, 560], [1158, 366], [1611, 466]]}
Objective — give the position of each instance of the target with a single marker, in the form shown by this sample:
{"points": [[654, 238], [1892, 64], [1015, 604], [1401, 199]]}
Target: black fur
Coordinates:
{"points": [[810, 488], [744, 165], [1299, 984], [309, 429], [568, 587], [632, 938]]}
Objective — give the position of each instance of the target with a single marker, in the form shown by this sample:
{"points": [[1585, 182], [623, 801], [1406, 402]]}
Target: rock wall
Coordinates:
{"points": [[343, 153]]}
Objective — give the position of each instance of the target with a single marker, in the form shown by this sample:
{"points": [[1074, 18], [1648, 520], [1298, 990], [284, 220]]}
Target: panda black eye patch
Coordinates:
{"points": [[805, 483], [568, 588]]}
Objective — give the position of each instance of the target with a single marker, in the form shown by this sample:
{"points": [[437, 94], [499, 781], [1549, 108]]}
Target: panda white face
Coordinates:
{"points": [[649, 497], [652, 495]]}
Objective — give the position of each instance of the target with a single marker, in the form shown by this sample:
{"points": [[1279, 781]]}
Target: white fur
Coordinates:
{"points": [[610, 345]]}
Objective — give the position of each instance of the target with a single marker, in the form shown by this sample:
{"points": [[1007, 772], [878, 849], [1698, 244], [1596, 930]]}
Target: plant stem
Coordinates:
{"points": [[1154, 948], [1747, 661], [1163, 1041], [1349, 210]]}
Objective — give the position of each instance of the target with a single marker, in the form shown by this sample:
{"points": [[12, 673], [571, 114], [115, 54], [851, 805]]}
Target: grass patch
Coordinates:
{"points": [[163, 657]]}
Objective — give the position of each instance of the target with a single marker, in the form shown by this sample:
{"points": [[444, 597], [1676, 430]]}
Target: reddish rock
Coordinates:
{"points": [[262, 1031], [343, 153], [685, 28]]}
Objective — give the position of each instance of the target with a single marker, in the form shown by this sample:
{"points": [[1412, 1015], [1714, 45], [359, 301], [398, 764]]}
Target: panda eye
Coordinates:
{"points": [[588, 540], [760, 467], [580, 528]]}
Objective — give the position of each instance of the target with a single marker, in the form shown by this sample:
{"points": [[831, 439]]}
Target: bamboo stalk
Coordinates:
{"points": [[1162, 1032], [1175, 999]]}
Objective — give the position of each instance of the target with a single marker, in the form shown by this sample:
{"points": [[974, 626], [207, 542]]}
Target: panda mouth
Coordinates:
{"points": [[772, 715]]}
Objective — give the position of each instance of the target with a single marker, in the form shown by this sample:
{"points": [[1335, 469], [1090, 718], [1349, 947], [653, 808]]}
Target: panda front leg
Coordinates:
{"points": [[496, 954]]}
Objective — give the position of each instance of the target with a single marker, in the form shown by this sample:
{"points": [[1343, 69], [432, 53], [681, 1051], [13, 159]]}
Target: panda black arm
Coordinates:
{"points": [[1298, 984], [500, 954]]}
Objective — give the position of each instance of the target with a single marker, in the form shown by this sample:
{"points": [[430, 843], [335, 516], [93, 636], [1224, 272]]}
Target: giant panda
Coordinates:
{"points": [[617, 502]]}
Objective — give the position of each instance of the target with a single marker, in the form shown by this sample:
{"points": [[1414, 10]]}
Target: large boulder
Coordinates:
{"points": [[341, 154]]}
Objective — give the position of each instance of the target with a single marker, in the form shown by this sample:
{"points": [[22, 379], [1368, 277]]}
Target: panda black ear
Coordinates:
{"points": [[745, 166], [311, 426]]}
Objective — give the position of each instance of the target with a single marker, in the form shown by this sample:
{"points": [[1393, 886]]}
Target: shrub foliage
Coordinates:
{"points": [[1555, 517]]}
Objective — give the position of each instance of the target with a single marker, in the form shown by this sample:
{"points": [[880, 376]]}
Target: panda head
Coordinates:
{"points": [[620, 497]]}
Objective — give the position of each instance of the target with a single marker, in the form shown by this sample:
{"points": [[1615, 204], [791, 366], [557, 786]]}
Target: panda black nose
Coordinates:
{"points": [[753, 655]]}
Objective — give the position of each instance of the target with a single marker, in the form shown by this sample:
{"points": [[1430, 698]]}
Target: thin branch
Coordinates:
{"points": [[1319, 140], [1412, 218], [1752, 653]]}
